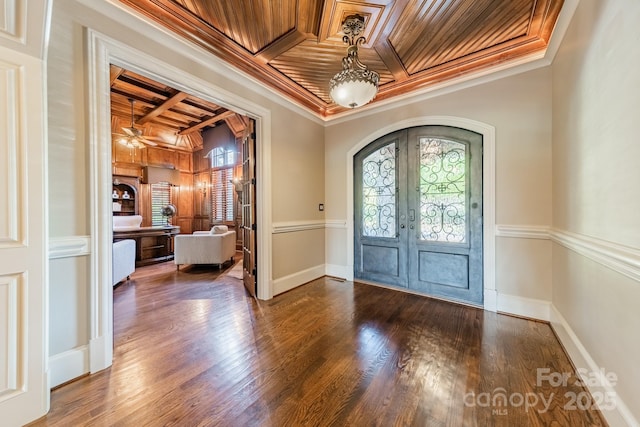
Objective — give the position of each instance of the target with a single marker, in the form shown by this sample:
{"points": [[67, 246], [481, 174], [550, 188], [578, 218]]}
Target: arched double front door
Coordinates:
{"points": [[418, 212]]}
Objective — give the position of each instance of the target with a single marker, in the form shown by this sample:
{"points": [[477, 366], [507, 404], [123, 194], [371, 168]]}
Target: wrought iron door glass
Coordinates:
{"points": [[379, 193], [442, 190]]}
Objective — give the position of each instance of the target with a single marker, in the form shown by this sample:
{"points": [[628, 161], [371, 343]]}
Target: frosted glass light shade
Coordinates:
{"points": [[352, 88]]}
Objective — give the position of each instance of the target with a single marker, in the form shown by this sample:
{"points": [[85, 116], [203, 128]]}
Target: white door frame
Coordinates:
{"points": [[488, 133], [103, 51]]}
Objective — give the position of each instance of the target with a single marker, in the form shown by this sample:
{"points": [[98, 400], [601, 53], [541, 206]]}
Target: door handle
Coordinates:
{"points": [[411, 226], [401, 225]]}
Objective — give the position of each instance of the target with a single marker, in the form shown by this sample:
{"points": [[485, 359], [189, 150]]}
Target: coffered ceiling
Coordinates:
{"points": [[295, 46], [166, 117]]}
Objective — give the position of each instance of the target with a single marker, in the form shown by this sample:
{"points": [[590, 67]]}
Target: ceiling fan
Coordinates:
{"points": [[133, 136]]}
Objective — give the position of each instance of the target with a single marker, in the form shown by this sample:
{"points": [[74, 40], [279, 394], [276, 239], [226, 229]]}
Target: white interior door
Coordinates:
{"points": [[24, 392]]}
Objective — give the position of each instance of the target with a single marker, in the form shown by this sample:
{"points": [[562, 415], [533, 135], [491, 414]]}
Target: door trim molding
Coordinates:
{"points": [[102, 51], [488, 133]]}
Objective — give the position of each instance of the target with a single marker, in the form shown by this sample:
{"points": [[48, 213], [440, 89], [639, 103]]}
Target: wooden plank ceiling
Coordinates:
{"points": [[295, 46], [165, 116]]}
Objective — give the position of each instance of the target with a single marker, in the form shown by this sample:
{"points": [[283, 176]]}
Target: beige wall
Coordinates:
{"points": [[297, 169], [519, 107], [594, 81], [297, 164], [596, 106]]}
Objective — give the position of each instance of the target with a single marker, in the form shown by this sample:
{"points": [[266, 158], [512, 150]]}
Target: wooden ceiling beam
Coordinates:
{"points": [[280, 46], [115, 72], [391, 60], [308, 16], [207, 122], [383, 46], [175, 99]]}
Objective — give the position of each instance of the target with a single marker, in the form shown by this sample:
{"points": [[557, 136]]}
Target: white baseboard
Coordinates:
{"points": [[66, 366], [620, 415], [341, 271], [101, 353], [490, 300], [525, 307], [291, 281]]}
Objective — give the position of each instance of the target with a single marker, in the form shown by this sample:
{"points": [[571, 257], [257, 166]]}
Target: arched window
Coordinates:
{"points": [[223, 162]]}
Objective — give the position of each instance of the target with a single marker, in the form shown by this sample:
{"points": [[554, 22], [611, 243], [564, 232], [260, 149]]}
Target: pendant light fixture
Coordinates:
{"points": [[355, 85]]}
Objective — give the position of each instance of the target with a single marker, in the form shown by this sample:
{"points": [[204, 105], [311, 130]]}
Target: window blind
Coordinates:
{"points": [[222, 194], [160, 197]]}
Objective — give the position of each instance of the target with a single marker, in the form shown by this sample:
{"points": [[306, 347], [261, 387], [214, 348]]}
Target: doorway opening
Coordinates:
{"points": [[183, 160], [103, 52]]}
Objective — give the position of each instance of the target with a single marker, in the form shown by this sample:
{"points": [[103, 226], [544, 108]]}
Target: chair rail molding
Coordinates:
{"points": [[69, 246], [540, 232], [292, 226], [336, 223], [622, 259]]}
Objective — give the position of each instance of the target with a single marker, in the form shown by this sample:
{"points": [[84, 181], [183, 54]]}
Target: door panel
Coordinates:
{"points": [[443, 269], [445, 246], [436, 212], [380, 260], [248, 229], [380, 228], [24, 393]]}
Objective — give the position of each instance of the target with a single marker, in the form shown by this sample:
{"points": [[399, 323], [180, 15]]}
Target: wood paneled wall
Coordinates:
{"points": [[193, 204], [130, 162]]}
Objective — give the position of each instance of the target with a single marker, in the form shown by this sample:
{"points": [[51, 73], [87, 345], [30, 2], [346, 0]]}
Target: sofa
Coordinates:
{"points": [[124, 260], [216, 246]]}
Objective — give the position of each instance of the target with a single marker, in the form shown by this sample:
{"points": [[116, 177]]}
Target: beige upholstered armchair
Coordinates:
{"points": [[124, 260], [205, 247]]}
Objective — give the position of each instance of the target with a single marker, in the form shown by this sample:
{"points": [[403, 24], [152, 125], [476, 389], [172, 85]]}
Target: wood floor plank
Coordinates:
{"points": [[192, 348]]}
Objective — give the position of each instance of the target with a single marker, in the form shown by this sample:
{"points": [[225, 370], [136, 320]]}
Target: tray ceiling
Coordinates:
{"points": [[295, 46]]}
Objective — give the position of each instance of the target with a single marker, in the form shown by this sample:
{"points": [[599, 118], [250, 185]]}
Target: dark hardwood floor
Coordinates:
{"points": [[193, 349]]}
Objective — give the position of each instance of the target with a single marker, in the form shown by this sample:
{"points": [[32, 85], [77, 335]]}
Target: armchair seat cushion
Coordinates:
{"points": [[204, 248]]}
